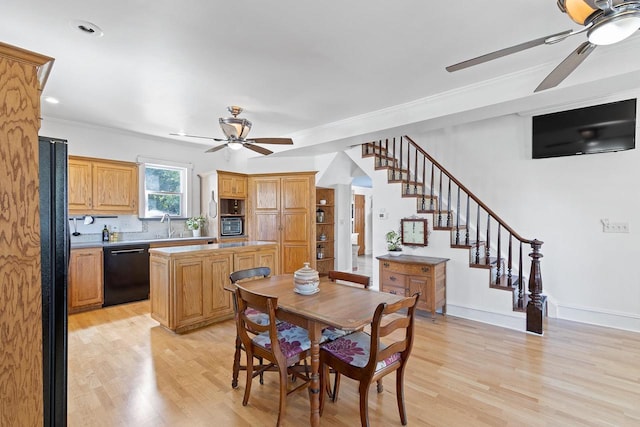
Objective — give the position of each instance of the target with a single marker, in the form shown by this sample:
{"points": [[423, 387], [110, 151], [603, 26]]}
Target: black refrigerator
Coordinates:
{"points": [[54, 234]]}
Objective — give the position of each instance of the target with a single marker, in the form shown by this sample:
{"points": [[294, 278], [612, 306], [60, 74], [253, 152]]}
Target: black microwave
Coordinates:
{"points": [[231, 226]]}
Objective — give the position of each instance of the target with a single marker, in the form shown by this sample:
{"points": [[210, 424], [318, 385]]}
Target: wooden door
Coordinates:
{"points": [[85, 279], [79, 176], [115, 187], [358, 221]]}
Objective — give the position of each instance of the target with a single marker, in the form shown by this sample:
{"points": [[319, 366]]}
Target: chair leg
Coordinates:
{"points": [[400, 395], [336, 387], [324, 384], [282, 370], [236, 363], [364, 404], [247, 388], [261, 373]]}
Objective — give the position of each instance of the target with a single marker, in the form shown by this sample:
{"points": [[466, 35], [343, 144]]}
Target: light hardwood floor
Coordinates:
{"points": [[125, 370]]}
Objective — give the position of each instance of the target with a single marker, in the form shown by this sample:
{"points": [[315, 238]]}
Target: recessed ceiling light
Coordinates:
{"points": [[88, 28], [51, 100]]}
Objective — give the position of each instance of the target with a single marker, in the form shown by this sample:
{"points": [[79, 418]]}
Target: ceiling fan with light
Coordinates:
{"points": [[605, 22], [236, 131]]}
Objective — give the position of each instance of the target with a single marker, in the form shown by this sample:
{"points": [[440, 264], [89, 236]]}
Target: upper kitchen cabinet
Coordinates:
{"points": [[232, 185], [100, 186], [281, 210]]}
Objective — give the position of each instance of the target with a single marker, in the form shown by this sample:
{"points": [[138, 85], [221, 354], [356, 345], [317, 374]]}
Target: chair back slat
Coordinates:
{"points": [[344, 276], [378, 330], [266, 304], [250, 273]]}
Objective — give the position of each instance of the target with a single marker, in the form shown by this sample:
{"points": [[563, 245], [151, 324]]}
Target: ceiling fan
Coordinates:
{"points": [[604, 21], [236, 131]]}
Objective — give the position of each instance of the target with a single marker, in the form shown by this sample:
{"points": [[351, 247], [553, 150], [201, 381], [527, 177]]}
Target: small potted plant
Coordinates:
{"points": [[195, 224], [393, 243]]}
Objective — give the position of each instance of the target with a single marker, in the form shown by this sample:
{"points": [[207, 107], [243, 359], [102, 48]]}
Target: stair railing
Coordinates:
{"points": [[410, 165]]}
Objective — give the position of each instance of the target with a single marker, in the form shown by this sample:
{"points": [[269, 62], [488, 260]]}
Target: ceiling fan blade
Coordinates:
{"points": [[214, 149], [196, 136], [257, 149], [287, 141], [554, 38], [566, 67]]}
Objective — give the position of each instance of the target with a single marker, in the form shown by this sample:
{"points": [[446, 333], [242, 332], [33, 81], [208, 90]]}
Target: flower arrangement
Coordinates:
{"points": [[196, 222], [393, 241]]}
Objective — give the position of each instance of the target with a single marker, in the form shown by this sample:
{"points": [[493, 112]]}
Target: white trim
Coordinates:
{"points": [[162, 162], [593, 316], [517, 321]]}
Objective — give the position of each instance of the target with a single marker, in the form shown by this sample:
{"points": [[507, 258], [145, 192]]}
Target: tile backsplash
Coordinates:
{"points": [[128, 227]]}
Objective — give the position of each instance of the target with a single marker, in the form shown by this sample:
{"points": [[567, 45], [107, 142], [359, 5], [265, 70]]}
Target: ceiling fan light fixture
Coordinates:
{"points": [[234, 145], [614, 28], [235, 128]]}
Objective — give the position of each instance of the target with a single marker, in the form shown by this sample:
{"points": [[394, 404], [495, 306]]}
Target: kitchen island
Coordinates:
{"points": [[187, 282]]}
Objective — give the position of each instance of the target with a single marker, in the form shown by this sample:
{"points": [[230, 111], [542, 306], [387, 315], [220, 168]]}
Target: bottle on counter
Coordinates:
{"points": [[105, 234]]}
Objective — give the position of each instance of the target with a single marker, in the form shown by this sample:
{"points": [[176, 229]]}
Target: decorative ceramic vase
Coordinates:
{"points": [[395, 253], [196, 233], [306, 280]]}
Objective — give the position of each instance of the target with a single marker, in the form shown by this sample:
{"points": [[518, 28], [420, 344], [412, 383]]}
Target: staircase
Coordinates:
{"points": [[491, 243]]}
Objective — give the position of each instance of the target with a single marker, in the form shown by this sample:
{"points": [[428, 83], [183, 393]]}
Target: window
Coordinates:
{"points": [[164, 189]]}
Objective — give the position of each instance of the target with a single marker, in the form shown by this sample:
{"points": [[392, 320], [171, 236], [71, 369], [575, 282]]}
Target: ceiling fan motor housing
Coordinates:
{"points": [[578, 10]]}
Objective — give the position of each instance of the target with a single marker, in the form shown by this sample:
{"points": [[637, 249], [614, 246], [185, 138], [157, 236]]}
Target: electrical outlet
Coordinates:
{"points": [[616, 227]]}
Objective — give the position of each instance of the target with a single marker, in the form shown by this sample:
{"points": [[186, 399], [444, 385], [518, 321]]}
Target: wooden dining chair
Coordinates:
{"points": [[365, 358], [331, 333], [282, 344], [256, 316]]}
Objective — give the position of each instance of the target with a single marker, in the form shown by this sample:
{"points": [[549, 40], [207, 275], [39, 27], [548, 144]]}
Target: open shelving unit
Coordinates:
{"points": [[325, 230]]}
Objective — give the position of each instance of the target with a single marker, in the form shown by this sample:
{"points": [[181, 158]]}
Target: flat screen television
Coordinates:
{"points": [[596, 129]]}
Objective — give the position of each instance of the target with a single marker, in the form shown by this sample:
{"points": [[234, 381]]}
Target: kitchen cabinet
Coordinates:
{"points": [[101, 186], [85, 284], [407, 274], [325, 225], [232, 185], [281, 209], [187, 282]]}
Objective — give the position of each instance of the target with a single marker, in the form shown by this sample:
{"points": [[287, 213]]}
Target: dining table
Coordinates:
{"points": [[342, 306]]}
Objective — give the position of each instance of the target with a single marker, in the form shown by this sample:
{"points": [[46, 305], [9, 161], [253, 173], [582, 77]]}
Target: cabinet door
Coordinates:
{"points": [[244, 261], [85, 279], [79, 176], [217, 301], [189, 277], [115, 187], [298, 229], [264, 209], [232, 186], [421, 284]]}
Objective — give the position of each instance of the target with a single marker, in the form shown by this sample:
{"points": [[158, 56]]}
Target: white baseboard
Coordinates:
{"points": [[625, 321], [515, 321]]}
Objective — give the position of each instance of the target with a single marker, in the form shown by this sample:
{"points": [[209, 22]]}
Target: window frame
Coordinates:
{"points": [[185, 169]]}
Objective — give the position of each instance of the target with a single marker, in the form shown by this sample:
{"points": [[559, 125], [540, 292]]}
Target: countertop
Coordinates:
{"points": [[171, 250], [99, 244]]}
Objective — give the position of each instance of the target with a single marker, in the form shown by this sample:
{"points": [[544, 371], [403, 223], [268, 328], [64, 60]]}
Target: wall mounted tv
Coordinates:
{"points": [[595, 129]]}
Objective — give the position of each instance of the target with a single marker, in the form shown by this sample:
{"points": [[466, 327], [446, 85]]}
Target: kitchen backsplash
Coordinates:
{"points": [[128, 227]]}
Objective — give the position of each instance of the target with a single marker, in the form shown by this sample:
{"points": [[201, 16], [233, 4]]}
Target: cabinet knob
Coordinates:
{"points": [[425, 269], [393, 278], [393, 292], [386, 264]]}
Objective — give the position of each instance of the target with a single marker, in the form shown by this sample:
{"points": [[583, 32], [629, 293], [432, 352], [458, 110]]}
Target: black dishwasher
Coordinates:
{"points": [[126, 273]]}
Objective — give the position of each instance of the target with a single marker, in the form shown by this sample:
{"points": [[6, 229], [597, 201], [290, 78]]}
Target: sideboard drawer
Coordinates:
{"points": [[393, 279]]}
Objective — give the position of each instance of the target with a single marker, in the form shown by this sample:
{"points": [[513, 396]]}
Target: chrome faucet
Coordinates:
{"points": [[169, 229]]}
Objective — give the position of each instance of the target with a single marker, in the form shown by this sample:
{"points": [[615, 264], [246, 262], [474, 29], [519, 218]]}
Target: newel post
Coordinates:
{"points": [[534, 306]]}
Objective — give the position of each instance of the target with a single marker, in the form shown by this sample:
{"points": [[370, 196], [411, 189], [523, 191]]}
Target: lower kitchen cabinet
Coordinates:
{"points": [[406, 274], [85, 286]]}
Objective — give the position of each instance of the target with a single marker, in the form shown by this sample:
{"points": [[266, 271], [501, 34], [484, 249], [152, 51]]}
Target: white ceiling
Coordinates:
{"points": [[331, 69]]}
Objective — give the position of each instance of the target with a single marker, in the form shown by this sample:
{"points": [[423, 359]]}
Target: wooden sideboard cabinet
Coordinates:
{"points": [[85, 279], [408, 274]]}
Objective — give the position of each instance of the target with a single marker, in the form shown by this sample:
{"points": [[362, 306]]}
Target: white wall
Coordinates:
{"points": [[588, 274]]}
